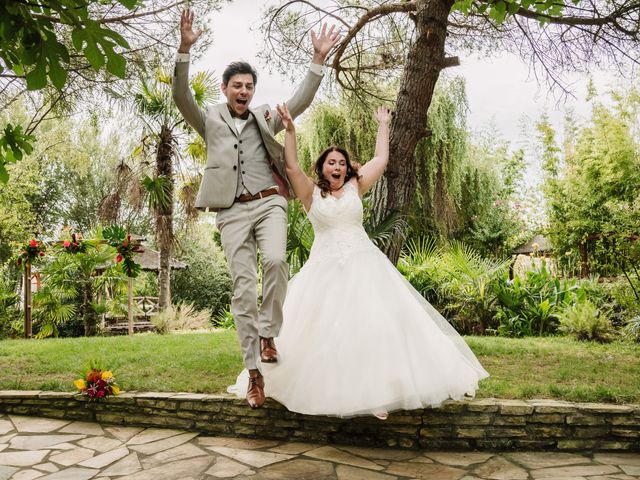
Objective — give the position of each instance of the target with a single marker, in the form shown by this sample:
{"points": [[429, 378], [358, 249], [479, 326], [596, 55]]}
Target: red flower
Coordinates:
{"points": [[33, 243], [42, 254], [119, 258], [66, 243]]}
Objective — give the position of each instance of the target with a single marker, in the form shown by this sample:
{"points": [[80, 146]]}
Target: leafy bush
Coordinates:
{"points": [[457, 280], [181, 318], [585, 321], [531, 306], [11, 324], [206, 282], [632, 329], [224, 320]]}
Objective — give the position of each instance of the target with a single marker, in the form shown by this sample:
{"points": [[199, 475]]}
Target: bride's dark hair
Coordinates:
{"points": [[323, 183]]}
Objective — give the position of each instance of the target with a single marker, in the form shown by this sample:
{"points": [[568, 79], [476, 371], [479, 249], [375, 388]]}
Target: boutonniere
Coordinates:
{"points": [[267, 115]]}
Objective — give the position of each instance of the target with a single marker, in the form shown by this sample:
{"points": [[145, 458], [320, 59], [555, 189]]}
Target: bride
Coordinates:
{"points": [[357, 338]]}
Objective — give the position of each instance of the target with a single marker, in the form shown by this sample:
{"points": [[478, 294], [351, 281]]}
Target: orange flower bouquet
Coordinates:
{"points": [[97, 383]]}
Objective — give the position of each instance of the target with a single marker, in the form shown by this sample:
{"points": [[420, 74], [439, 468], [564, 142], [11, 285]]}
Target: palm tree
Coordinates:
{"points": [[164, 125]]}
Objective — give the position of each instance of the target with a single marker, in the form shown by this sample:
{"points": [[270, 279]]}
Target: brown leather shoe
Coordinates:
{"points": [[255, 390], [268, 352]]}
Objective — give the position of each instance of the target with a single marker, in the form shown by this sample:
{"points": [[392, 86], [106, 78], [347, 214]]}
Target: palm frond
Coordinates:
{"points": [[299, 236], [158, 191], [382, 232], [204, 86], [420, 250], [198, 150]]}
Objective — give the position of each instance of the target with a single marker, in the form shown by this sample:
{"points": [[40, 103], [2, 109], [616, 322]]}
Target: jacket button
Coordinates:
{"points": [[235, 167], [242, 162], [243, 172], [240, 141], [235, 146]]}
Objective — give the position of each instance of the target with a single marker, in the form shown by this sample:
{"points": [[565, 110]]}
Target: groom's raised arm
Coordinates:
{"points": [[180, 90], [323, 42]]}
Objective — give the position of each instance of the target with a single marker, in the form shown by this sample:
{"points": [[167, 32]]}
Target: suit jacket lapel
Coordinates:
{"points": [[226, 116]]}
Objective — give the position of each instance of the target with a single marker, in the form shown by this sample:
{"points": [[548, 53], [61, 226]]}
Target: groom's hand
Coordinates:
{"points": [[324, 42], [187, 36]]}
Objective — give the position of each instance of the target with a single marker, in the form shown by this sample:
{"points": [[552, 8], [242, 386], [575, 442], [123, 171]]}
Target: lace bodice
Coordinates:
{"points": [[337, 223]]}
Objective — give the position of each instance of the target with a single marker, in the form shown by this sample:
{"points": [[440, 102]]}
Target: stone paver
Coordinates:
{"points": [[34, 448]]}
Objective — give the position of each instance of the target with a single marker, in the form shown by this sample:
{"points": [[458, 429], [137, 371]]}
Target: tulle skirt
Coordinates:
{"points": [[358, 339]]}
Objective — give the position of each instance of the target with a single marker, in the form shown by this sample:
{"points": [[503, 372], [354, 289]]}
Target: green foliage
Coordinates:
{"points": [[53, 305], [632, 329], [531, 305], [117, 237], [585, 321], [39, 42], [11, 324], [466, 185], [500, 10], [224, 320], [206, 282], [66, 304], [14, 143], [592, 188], [34, 40], [440, 163], [456, 279], [158, 191], [300, 237]]}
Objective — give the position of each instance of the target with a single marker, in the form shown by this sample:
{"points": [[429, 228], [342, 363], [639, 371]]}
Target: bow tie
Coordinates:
{"points": [[244, 116]]}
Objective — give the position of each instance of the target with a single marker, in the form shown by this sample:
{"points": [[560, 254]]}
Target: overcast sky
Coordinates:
{"points": [[520, 101]]}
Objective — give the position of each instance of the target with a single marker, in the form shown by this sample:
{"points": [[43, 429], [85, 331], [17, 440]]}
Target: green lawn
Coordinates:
{"points": [[208, 362]]}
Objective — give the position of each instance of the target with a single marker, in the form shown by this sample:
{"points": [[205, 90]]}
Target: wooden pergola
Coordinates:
{"points": [[148, 259]]}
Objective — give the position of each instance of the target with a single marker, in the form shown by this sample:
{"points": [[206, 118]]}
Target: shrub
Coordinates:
{"points": [[206, 282], [181, 318], [632, 329], [11, 324], [531, 305], [585, 321], [457, 280], [224, 320]]}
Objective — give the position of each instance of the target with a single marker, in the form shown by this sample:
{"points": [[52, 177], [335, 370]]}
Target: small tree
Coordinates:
{"points": [[163, 124]]}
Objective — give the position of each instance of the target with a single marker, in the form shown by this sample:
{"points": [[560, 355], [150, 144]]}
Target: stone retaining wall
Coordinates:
{"points": [[476, 424]]}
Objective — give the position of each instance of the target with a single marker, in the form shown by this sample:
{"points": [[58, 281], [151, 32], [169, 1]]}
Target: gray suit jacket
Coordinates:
{"points": [[217, 128]]}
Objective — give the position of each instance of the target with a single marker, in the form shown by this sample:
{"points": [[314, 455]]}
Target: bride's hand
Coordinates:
{"points": [[382, 115], [287, 121]]}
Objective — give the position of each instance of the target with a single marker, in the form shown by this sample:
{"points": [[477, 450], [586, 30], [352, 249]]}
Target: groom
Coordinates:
{"points": [[244, 180]]}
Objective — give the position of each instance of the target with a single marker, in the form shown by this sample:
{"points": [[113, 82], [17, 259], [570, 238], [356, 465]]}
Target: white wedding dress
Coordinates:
{"points": [[357, 338]]}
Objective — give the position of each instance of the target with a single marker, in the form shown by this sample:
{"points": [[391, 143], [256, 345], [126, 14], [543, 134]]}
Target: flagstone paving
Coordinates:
{"points": [[38, 448]]}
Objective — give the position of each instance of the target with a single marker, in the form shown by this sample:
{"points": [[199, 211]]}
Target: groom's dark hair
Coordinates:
{"points": [[236, 68], [323, 183]]}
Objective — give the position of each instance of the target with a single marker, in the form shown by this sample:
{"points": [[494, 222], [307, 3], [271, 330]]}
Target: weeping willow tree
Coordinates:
{"points": [[464, 184], [440, 164]]}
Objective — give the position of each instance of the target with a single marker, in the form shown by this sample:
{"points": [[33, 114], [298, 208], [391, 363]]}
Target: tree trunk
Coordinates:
{"points": [[424, 62], [164, 217]]}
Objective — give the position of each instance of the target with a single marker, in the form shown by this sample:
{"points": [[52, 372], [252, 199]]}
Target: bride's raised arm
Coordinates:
{"points": [[302, 185], [371, 171]]}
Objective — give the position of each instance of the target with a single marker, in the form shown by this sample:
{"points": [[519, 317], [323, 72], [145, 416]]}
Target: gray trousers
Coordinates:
{"points": [[244, 228]]}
